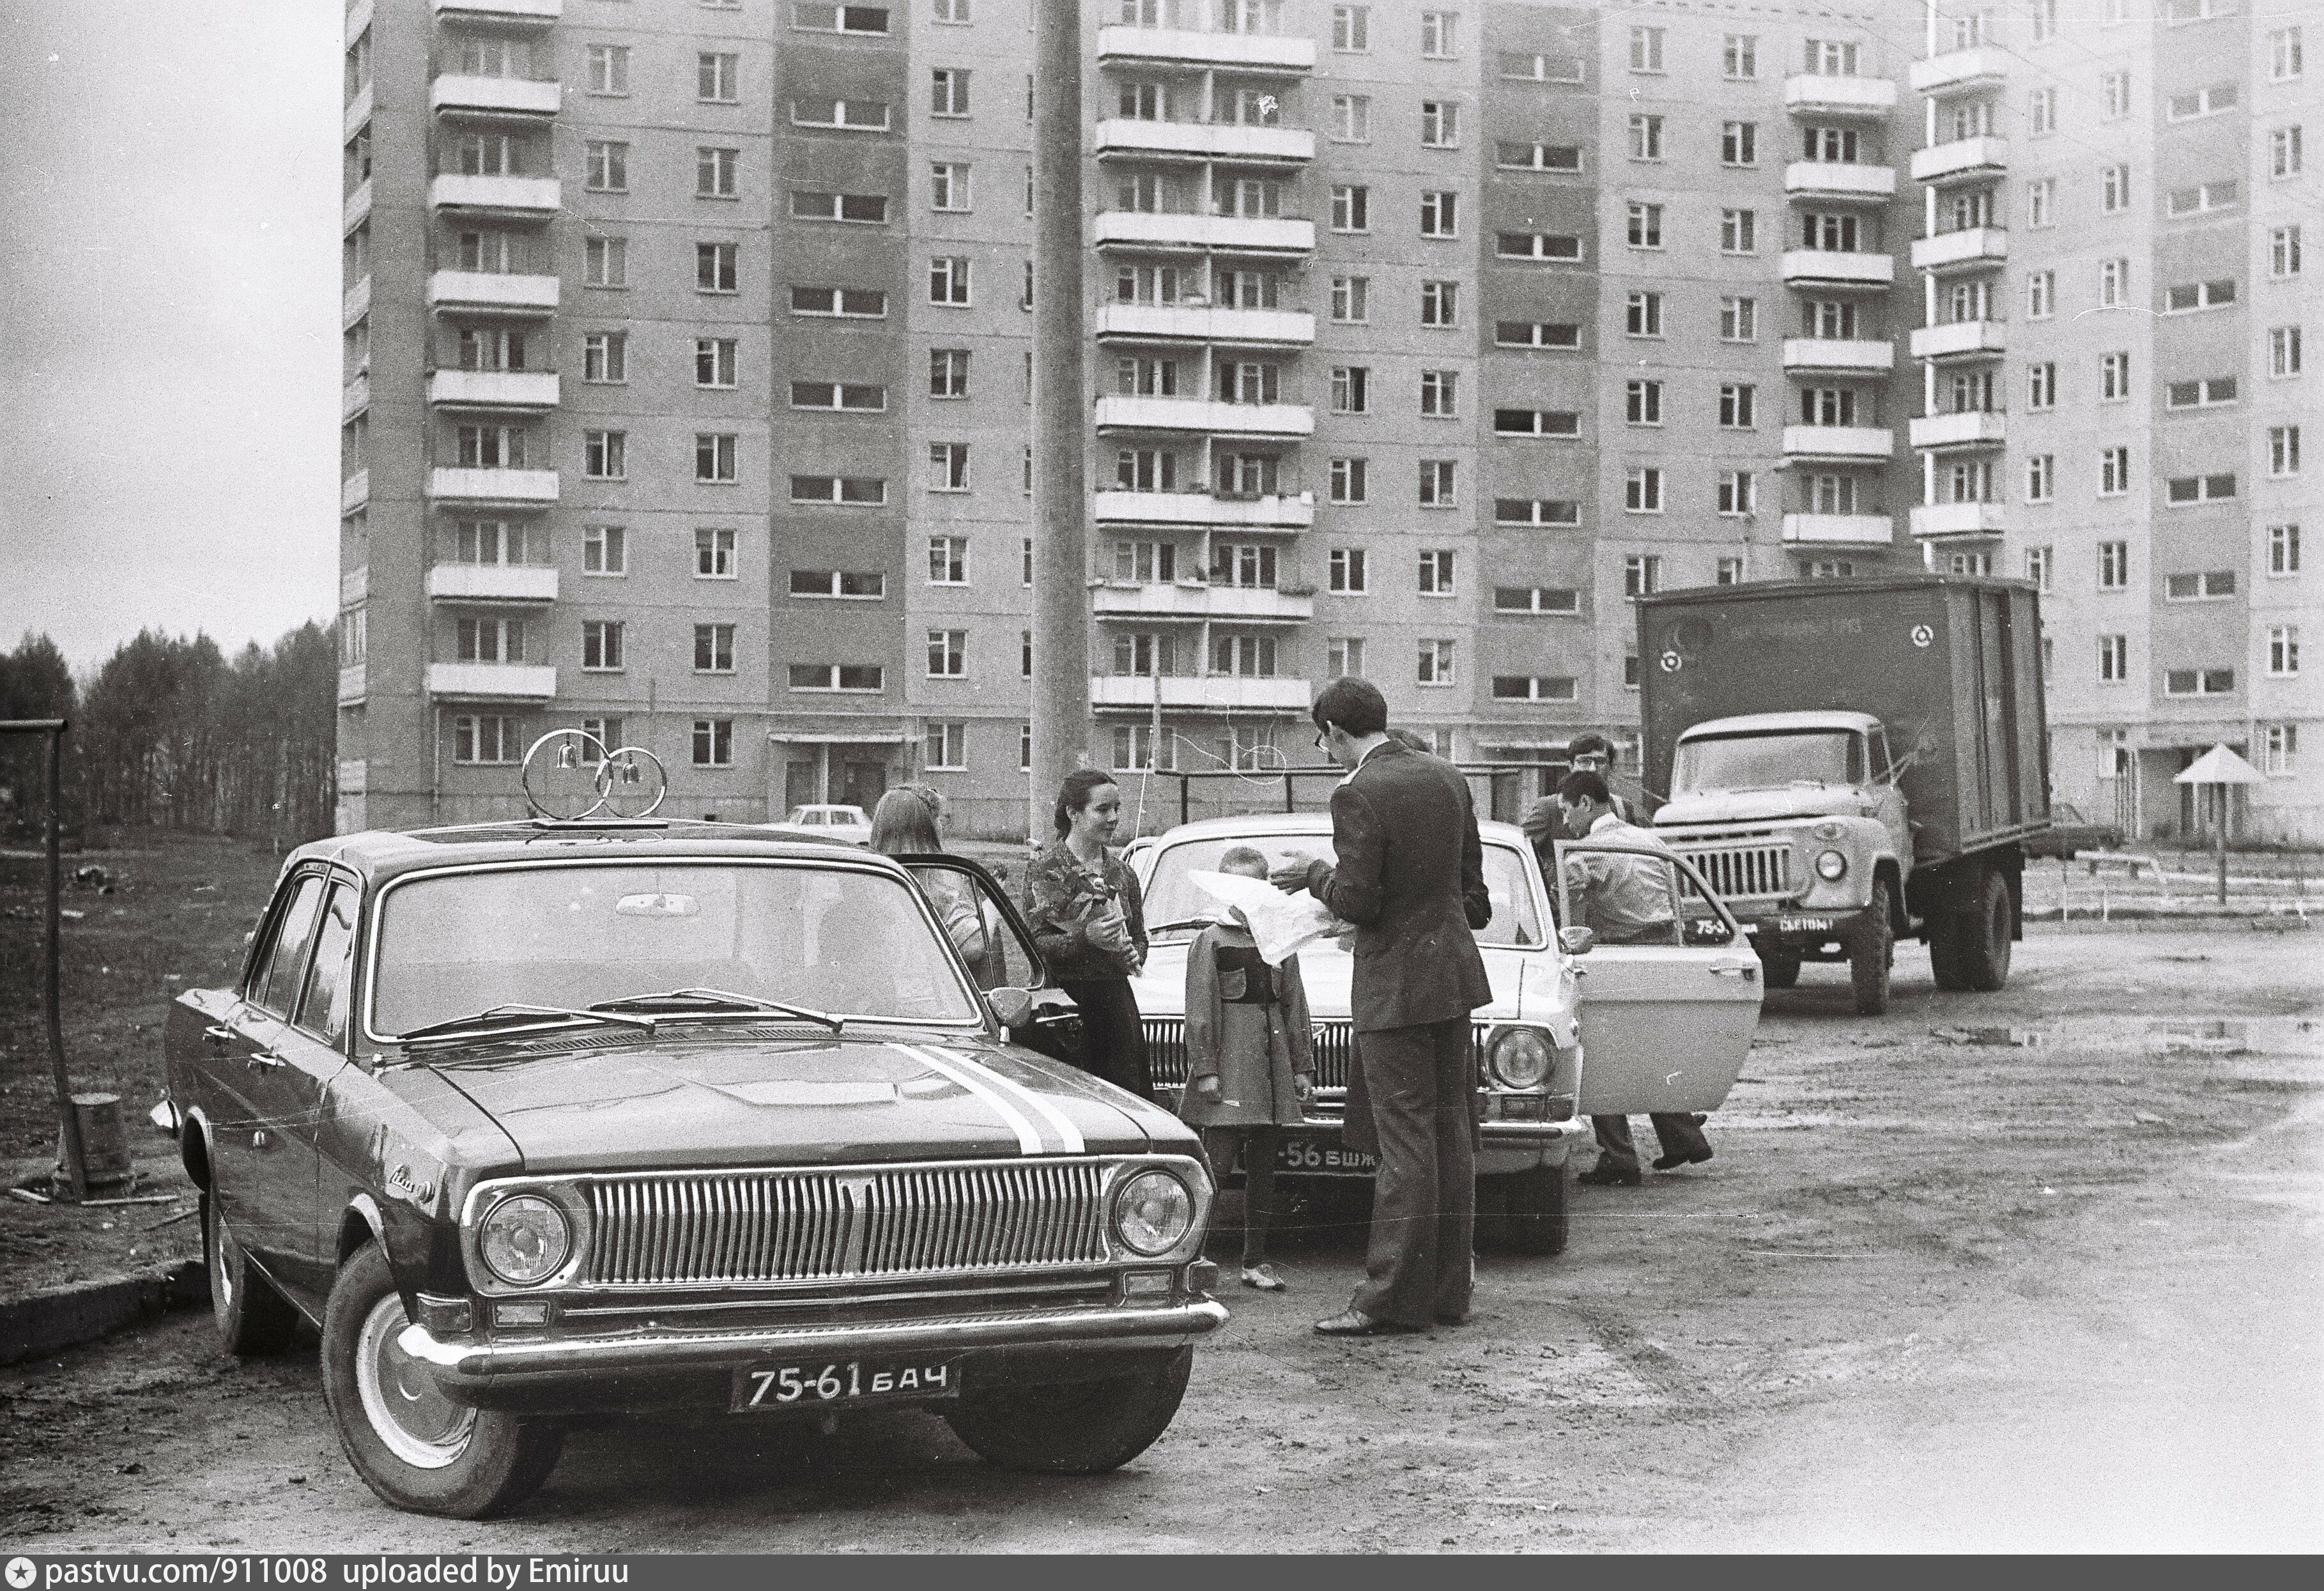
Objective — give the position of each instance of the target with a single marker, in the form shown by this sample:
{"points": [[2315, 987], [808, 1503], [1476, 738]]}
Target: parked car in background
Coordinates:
{"points": [[2070, 833], [828, 823], [1576, 1026], [536, 1120]]}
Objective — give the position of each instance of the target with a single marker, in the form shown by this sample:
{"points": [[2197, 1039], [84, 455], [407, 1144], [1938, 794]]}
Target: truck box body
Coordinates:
{"points": [[1950, 663]]}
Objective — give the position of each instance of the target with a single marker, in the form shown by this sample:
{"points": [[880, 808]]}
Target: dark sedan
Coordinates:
{"points": [[2069, 833], [544, 1119]]}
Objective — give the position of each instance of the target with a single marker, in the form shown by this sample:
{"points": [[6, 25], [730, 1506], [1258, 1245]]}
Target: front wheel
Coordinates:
{"points": [[251, 1317], [1082, 1427], [1871, 951], [416, 1448], [1538, 1220]]}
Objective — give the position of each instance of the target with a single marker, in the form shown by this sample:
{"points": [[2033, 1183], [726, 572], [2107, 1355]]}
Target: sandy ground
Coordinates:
{"points": [[1931, 1293]]}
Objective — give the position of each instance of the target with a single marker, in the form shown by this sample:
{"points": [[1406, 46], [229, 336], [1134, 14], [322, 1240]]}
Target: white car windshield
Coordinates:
{"points": [[1769, 762], [1173, 896], [852, 944]]}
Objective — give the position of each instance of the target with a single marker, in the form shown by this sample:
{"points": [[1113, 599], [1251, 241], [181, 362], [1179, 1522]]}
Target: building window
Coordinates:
{"points": [[1440, 34], [2114, 660], [2210, 586], [1351, 207], [866, 677], [1536, 510], [1439, 214], [606, 456], [2210, 392], [715, 361], [2279, 748], [2114, 565], [1440, 394], [1343, 657], [605, 356], [718, 77], [2041, 294], [2114, 190], [1537, 598], [2283, 152], [1352, 29], [945, 748], [948, 279], [947, 560], [715, 172], [1738, 231], [1537, 333], [604, 550], [1438, 483], [2041, 111], [1440, 303], [948, 92], [1351, 118], [716, 267], [2283, 451], [2041, 477], [864, 586], [1738, 495], [485, 739], [2283, 55], [1740, 57], [1643, 403], [2199, 200], [2114, 283], [605, 262], [1737, 405], [1738, 144], [843, 396], [1566, 158], [1564, 248], [868, 209], [1645, 225], [2039, 210], [2114, 378], [608, 69], [855, 491], [1351, 300], [2283, 252], [2203, 102], [1646, 137], [714, 742], [2282, 549], [2042, 386], [605, 731], [1515, 687], [1436, 574], [947, 654], [2181, 489], [2038, 562], [2198, 681], [1646, 50], [488, 641], [948, 187], [1831, 494], [2114, 471], [714, 554], [1642, 492], [808, 16], [1643, 314], [1642, 575], [1347, 572], [1440, 123], [948, 372], [2114, 96], [1349, 482], [605, 167], [1435, 663], [1738, 320], [601, 646], [716, 456], [1536, 422], [713, 648]]}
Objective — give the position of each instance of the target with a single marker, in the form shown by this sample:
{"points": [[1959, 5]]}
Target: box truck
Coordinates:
{"points": [[1853, 762]]}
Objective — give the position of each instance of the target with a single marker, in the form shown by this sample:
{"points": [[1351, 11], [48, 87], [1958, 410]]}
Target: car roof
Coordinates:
{"points": [[379, 854], [1752, 724], [1259, 825]]}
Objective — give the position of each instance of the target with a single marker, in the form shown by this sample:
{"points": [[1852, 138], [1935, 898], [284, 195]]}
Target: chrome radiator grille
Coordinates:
{"points": [[809, 1225], [1335, 1041], [1743, 871]]}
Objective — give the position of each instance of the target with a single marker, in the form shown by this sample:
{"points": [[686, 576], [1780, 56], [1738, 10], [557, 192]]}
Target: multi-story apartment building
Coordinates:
{"points": [[689, 359]]}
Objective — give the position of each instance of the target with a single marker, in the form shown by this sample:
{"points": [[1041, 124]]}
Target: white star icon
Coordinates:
{"points": [[21, 1573]]}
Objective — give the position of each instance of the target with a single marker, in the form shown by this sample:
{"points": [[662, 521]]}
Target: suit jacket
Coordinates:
{"points": [[1411, 876]]}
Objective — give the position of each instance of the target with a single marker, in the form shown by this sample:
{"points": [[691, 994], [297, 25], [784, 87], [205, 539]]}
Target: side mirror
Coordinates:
{"points": [[1012, 1007], [1576, 942]]}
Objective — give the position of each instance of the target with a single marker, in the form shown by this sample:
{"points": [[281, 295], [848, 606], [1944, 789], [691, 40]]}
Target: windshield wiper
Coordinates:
{"points": [[514, 1014], [717, 1002]]}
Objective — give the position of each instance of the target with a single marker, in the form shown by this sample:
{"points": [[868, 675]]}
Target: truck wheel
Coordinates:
{"points": [[1982, 936], [1538, 1220], [1493, 1214], [1779, 969], [251, 1317], [1871, 951], [413, 1446], [1083, 1428]]}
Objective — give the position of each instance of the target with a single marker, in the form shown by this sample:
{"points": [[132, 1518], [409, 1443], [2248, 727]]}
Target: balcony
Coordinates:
{"points": [[502, 11], [352, 685], [1980, 427], [1121, 46], [493, 488], [1807, 94], [526, 197], [1837, 180], [491, 291], [1219, 693], [1249, 234], [356, 302], [1204, 416], [524, 97], [355, 491], [1970, 248], [1935, 520], [1840, 531], [1830, 267], [356, 209], [1194, 600], [1838, 356], [1202, 323], [493, 389], [354, 397], [1963, 160], [1957, 69], [492, 682], [357, 113], [1212, 140], [1838, 443], [1960, 340], [1204, 509], [491, 583], [355, 586]]}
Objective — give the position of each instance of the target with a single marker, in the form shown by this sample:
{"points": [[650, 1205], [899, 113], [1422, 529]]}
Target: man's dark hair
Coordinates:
{"points": [[1355, 705], [1582, 785], [1411, 741], [1586, 745]]}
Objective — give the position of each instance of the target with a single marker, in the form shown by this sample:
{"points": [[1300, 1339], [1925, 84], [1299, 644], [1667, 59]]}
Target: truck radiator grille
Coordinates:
{"points": [[1334, 1042], [806, 1225], [1739, 872]]}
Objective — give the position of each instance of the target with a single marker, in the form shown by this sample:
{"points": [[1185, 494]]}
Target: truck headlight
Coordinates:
{"points": [[1830, 865], [525, 1240], [1152, 1212], [1520, 1058]]}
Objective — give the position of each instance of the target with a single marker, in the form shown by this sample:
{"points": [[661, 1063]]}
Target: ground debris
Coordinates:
{"points": [[2013, 1038]]}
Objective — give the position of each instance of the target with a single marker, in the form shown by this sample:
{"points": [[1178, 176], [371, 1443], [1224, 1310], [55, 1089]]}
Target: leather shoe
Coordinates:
{"points": [[1612, 1176], [1356, 1323], [1672, 1161]]}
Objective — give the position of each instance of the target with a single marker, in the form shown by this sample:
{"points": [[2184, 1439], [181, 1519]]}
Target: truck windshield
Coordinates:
{"points": [[1768, 761]]}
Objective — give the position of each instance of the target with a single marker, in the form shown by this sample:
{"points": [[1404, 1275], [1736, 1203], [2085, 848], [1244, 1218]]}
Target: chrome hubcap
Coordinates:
{"points": [[408, 1413]]}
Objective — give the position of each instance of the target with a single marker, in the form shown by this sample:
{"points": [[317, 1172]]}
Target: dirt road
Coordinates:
{"points": [[1933, 1292]]}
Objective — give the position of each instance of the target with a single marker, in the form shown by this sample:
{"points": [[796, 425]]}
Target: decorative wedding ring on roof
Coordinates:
{"points": [[569, 775]]}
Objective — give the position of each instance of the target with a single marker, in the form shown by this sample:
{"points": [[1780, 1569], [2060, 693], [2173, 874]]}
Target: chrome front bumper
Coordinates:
{"points": [[457, 1363]]}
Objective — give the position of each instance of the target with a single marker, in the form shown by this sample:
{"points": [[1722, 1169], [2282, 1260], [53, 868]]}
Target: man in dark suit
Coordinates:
{"points": [[1410, 875]]}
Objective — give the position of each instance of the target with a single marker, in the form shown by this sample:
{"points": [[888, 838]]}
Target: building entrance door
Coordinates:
{"points": [[862, 780]]}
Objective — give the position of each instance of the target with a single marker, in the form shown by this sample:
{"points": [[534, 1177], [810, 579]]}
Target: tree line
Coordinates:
{"points": [[169, 733]]}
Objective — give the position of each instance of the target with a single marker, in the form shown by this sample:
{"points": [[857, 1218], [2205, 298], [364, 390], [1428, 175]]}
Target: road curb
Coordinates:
{"points": [[85, 1310]]}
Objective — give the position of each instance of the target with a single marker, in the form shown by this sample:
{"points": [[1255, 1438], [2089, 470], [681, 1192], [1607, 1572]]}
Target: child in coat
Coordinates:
{"points": [[1249, 1061]]}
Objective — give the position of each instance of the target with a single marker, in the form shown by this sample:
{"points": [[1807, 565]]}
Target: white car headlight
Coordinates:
{"points": [[1520, 1058], [1830, 864], [1152, 1211], [525, 1240]]}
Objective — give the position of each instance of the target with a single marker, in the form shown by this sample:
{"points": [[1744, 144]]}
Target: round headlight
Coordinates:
{"points": [[1830, 864], [525, 1240], [1520, 1058], [1152, 1212]]}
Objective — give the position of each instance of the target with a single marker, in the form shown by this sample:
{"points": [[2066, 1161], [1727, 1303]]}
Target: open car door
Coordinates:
{"points": [[985, 927], [1668, 1004]]}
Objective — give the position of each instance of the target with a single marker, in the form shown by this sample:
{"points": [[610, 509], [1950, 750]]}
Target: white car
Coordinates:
{"points": [[1575, 1028], [828, 823]]}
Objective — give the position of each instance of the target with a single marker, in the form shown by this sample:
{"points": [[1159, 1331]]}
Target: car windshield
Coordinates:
{"points": [[853, 943], [1768, 761], [1173, 896]]}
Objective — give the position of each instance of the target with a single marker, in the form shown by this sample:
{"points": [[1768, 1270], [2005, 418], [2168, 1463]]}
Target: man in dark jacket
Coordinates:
{"points": [[1410, 875]]}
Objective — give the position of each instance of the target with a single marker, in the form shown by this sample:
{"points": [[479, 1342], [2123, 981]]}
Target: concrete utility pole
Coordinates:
{"points": [[1061, 670]]}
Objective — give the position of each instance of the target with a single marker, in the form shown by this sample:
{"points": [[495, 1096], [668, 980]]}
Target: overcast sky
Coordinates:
{"points": [[168, 319]]}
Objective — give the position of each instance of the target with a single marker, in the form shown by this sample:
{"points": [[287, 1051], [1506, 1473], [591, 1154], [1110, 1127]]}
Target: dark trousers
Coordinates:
{"points": [[1679, 1134], [1421, 1085], [1113, 1036], [1258, 1145]]}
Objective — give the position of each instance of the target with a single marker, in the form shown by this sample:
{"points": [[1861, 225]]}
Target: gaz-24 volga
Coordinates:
{"points": [[538, 1120]]}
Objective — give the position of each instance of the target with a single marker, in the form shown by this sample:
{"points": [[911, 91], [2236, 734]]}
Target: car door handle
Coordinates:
{"points": [[218, 1033], [263, 1060], [1745, 971]]}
